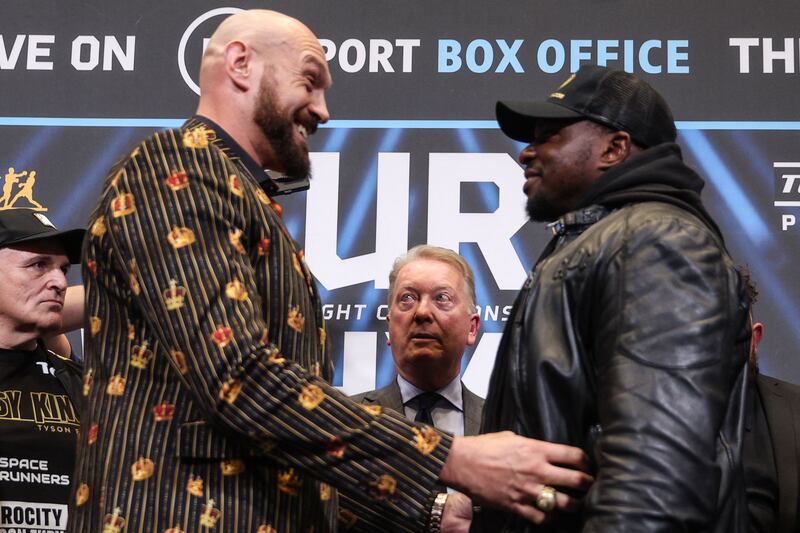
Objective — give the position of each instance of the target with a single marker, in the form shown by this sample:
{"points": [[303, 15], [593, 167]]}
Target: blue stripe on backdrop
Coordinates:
{"points": [[729, 189], [95, 172], [38, 142], [355, 215]]}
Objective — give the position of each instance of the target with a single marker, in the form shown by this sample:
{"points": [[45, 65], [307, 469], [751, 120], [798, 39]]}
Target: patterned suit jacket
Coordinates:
{"points": [[781, 401], [355, 517], [206, 371]]}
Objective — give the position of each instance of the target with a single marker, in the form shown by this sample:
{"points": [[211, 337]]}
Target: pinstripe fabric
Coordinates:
{"points": [[206, 365]]}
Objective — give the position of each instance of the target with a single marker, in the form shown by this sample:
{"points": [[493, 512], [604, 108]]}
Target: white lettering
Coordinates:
{"points": [[37, 50], [391, 232], [8, 60], [448, 226]]}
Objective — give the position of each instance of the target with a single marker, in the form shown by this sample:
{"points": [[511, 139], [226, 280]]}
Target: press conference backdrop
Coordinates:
{"points": [[413, 154]]}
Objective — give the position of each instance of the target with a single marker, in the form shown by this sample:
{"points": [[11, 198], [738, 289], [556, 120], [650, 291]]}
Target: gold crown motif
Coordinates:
{"points": [[426, 440], [133, 277], [177, 180], [231, 467], [88, 379], [195, 486], [142, 469], [266, 528], [95, 324], [210, 515], [198, 137], [289, 482], [274, 355], [113, 523], [296, 320], [323, 335], [374, 410], [180, 361], [384, 487], [235, 238], [91, 436], [324, 492], [262, 196], [163, 412], [123, 205], [175, 296], [336, 448], [263, 247], [346, 518], [311, 396], [179, 237], [116, 385], [82, 494], [230, 390], [222, 336], [235, 290], [141, 356], [236, 185], [99, 228]]}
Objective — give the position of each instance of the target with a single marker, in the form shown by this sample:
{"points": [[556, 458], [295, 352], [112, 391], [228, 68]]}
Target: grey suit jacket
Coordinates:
{"points": [[781, 401], [390, 398]]}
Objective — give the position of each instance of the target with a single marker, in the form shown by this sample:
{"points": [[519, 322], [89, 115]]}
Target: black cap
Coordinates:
{"points": [[613, 98], [26, 225]]}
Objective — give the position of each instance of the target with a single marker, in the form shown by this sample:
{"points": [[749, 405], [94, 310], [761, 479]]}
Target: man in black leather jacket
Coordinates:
{"points": [[629, 338]]}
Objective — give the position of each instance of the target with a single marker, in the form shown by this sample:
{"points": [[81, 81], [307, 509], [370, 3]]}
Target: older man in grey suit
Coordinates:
{"points": [[432, 319]]}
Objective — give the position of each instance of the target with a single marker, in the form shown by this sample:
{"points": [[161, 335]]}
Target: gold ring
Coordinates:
{"points": [[546, 500]]}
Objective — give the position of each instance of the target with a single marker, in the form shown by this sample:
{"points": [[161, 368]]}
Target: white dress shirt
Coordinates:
{"points": [[448, 414]]}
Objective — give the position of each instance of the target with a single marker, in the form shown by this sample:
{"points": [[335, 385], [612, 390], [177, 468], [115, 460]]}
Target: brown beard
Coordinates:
{"points": [[278, 128]]}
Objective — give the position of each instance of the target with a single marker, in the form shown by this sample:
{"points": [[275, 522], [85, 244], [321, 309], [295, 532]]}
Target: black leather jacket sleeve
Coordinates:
{"points": [[665, 365]]}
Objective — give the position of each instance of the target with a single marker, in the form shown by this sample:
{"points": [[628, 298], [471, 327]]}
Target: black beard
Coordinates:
{"points": [[278, 128], [540, 209]]}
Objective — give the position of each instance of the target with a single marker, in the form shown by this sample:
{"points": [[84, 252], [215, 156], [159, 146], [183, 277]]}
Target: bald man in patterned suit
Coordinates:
{"points": [[206, 376]]}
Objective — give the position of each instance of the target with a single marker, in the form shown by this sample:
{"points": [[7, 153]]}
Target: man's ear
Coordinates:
{"points": [[239, 64], [617, 147]]}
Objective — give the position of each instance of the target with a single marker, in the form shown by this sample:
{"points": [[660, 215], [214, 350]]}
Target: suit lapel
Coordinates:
{"points": [[473, 410], [388, 397], [783, 427]]}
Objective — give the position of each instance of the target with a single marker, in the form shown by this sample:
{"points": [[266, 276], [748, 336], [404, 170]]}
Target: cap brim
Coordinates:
{"points": [[72, 240], [518, 119]]}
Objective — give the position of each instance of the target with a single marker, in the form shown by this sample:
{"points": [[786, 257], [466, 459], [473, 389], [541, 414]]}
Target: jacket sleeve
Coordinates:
{"points": [[191, 236], [667, 362]]}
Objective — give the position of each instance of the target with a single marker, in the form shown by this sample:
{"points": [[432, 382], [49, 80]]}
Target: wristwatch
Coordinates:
{"points": [[437, 510]]}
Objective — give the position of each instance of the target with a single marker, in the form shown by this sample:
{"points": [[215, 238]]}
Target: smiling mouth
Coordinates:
{"points": [[530, 180]]}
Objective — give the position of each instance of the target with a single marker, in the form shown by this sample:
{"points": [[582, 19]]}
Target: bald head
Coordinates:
{"points": [[262, 30], [262, 78]]}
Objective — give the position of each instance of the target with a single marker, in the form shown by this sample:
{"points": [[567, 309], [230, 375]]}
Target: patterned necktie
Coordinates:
{"points": [[425, 404]]}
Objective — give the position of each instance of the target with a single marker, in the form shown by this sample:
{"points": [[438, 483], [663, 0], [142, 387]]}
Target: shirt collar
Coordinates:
{"points": [[452, 392], [235, 151]]}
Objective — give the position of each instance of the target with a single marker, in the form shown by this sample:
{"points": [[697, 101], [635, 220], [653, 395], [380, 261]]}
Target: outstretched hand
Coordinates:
{"points": [[507, 471]]}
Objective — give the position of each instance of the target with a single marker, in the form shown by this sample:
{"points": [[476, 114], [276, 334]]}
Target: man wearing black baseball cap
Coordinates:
{"points": [[40, 390], [630, 337]]}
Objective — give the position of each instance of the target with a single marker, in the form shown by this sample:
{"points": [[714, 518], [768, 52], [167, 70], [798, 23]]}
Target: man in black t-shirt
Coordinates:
{"points": [[39, 390]]}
